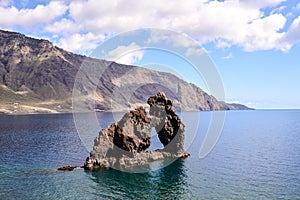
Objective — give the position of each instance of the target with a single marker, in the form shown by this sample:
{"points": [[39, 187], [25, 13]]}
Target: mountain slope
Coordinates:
{"points": [[36, 76]]}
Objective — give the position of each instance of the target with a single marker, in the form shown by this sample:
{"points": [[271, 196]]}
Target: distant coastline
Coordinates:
{"points": [[6, 112]]}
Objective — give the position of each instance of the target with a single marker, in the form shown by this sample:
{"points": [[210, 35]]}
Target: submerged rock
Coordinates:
{"points": [[126, 143], [67, 168]]}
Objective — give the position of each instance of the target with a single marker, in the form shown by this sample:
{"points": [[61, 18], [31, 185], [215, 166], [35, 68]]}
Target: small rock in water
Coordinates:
{"points": [[67, 168]]}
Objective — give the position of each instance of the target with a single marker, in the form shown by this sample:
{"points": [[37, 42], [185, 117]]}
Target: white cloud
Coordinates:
{"points": [[289, 14], [252, 103], [190, 46], [81, 43], [10, 16], [222, 44], [126, 54], [278, 10], [5, 3], [194, 51], [177, 40], [262, 3], [233, 101], [293, 34], [263, 33], [236, 22], [64, 26], [227, 23], [131, 58], [229, 56]]}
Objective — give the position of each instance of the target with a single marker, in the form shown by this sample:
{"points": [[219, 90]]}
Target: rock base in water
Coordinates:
{"points": [[139, 159], [67, 168], [126, 143]]}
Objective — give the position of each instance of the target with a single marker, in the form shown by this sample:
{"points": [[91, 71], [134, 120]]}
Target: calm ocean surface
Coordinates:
{"points": [[256, 157]]}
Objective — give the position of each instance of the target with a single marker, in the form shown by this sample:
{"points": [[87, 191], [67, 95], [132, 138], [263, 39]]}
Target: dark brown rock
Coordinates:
{"points": [[170, 129], [132, 132], [126, 143], [130, 135], [67, 168]]}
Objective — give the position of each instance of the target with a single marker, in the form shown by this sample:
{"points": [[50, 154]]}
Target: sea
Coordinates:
{"points": [[254, 155]]}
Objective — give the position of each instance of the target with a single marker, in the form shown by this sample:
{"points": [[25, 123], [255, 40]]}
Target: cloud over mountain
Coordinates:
{"points": [[251, 25]]}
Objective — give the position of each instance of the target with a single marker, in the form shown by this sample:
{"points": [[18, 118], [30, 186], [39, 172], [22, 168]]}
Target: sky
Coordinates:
{"points": [[254, 44]]}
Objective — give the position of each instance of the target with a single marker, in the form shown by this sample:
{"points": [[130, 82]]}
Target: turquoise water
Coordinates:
{"points": [[256, 157]]}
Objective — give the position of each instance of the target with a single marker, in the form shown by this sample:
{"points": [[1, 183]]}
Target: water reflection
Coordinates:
{"points": [[166, 183]]}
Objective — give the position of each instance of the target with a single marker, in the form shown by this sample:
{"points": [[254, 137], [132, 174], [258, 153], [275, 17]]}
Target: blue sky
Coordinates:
{"points": [[255, 45]]}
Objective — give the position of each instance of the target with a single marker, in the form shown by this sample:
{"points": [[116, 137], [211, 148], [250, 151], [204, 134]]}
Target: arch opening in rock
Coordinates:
{"points": [[127, 142]]}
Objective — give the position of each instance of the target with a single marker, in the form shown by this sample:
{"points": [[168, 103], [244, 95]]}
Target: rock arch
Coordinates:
{"points": [[126, 143]]}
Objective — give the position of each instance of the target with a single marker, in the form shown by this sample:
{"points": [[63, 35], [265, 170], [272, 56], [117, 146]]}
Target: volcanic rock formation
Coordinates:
{"points": [[126, 143], [169, 127]]}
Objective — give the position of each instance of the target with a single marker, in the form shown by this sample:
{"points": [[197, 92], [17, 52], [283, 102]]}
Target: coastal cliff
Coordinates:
{"points": [[38, 77]]}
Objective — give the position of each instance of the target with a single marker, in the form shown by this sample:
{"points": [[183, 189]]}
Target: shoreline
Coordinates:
{"points": [[58, 113]]}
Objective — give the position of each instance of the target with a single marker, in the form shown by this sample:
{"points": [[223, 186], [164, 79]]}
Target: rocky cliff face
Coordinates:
{"points": [[125, 144], [36, 76]]}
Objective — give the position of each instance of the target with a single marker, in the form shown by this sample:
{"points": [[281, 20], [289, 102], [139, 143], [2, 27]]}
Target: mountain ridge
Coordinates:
{"points": [[38, 77]]}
